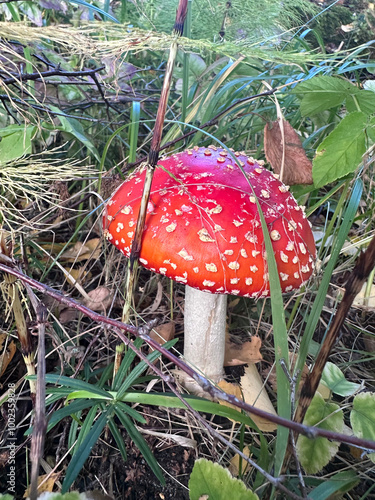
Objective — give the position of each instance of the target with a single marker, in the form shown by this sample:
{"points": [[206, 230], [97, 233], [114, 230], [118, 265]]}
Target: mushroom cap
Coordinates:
{"points": [[203, 227]]}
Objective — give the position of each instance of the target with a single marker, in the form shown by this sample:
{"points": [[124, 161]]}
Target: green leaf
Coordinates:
{"points": [[341, 151], [341, 482], [216, 482], [81, 454], [322, 93], [74, 128], [15, 142], [362, 417], [95, 9], [77, 384], [68, 410], [362, 101], [88, 395], [335, 380], [115, 431], [141, 444], [315, 453]]}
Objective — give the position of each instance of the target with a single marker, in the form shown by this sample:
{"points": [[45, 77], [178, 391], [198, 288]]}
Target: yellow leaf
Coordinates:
{"points": [[45, 483], [7, 352], [234, 464]]}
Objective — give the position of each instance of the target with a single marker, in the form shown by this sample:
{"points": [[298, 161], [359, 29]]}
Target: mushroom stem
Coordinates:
{"points": [[205, 323]]}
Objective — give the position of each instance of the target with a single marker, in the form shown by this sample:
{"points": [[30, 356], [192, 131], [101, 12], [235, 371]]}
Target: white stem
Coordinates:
{"points": [[205, 323]]}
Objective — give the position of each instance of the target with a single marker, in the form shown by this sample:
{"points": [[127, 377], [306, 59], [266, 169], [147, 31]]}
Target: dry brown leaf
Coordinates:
{"points": [[7, 351], [99, 299], [254, 393], [234, 464], [163, 333], [297, 167], [242, 354], [232, 389], [82, 251], [45, 483]]}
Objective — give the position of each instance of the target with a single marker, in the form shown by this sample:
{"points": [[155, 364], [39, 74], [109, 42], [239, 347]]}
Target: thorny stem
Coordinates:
{"points": [[152, 160], [215, 392]]}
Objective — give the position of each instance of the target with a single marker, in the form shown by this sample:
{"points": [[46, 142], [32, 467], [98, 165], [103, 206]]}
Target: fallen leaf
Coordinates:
{"points": [[7, 351], [297, 167], [232, 389], [254, 393], [242, 354], [91, 249], [99, 299], [162, 333], [234, 464], [45, 483], [78, 275]]}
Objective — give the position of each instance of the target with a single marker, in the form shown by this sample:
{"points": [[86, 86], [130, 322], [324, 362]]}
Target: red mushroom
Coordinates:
{"points": [[203, 230]]}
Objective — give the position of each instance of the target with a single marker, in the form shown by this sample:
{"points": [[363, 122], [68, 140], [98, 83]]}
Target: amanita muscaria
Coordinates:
{"points": [[203, 230]]}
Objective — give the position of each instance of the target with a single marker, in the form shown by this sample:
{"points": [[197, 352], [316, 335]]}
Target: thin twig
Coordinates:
{"points": [[215, 392]]}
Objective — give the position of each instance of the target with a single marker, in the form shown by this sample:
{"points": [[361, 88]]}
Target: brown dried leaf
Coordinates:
{"points": [[7, 351], [297, 167], [100, 299], [229, 388], [248, 352], [82, 251], [163, 333]]}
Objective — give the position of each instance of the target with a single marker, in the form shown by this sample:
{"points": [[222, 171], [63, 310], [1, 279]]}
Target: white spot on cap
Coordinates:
{"points": [[220, 159], [290, 246], [215, 210], [283, 188], [284, 257], [171, 227], [292, 225], [295, 259], [180, 279], [234, 281], [130, 234], [251, 237], [109, 218], [185, 255], [284, 276], [131, 223], [204, 236], [253, 269], [296, 275], [127, 210], [196, 270], [233, 239], [249, 281], [265, 193], [178, 212], [228, 252], [218, 228], [243, 253], [305, 269], [254, 253], [211, 267], [302, 248], [163, 192], [116, 242], [235, 292], [258, 170], [275, 235], [162, 270], [108, 235], [207, 152], [289, 288], [234, 265], [208, 283], [252, 199], [174, 266], [143, 261], [237, 223]]}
